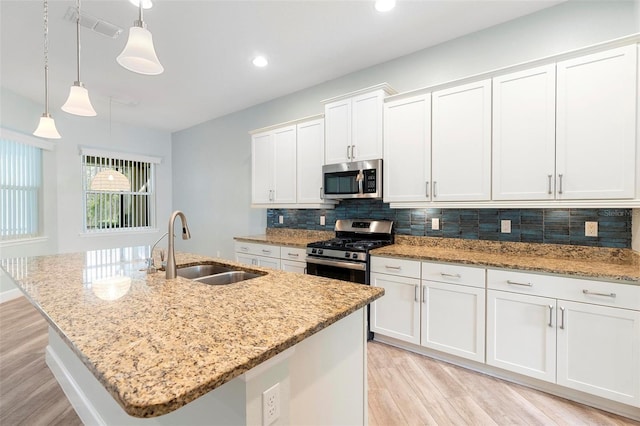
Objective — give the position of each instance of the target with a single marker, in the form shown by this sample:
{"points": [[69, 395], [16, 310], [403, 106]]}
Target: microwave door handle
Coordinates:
{"points": [[360, 179]]}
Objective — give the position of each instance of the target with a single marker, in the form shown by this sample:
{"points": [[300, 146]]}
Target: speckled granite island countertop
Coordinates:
{"points": [[158, 344], [618, 265], [288, 237]]}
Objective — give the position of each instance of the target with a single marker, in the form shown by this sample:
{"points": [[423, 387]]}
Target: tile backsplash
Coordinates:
{"points": [[553, 226]]}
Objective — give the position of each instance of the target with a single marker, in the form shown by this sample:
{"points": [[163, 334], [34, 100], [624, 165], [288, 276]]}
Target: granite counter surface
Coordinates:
{"points": [[288, 237], [618, 265], [158, 344]]}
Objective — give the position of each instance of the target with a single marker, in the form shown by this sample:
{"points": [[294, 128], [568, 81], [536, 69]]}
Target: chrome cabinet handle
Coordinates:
{"points": [[353, 155], [427, 191], [348, 155], [550, 315], [321, 193], [266, 251], [593, 293], [517, 283], [415, 293], [244, 248], [435, 189], [397, 268], [457, 276], [293, 254], [424, 294], [560, 187], [561, 317], [550, 179]]}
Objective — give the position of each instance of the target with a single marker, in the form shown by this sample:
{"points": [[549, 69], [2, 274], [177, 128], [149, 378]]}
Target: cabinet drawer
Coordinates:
{"points": [[455, 274], [258, 249], [392, 266], [293, 253], [625, 296]]}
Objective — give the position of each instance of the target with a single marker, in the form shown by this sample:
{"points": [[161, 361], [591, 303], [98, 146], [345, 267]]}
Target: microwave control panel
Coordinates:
{"points": [[369, 181]]}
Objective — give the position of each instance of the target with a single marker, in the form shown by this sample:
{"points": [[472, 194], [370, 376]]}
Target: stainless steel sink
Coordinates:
{"points": [[215, 274], [227, 278], [202, 270]]}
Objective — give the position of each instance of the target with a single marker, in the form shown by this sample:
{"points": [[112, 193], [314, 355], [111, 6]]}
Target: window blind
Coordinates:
{"points": [[20, 188]]}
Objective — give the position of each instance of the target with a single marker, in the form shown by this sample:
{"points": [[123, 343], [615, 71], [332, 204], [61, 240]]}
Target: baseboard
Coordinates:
{"points": [[8, 295]]}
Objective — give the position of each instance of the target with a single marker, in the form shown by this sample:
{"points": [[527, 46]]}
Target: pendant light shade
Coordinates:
{"points": [[78, 102], [110, 180], [139, 55], [47, 126]]}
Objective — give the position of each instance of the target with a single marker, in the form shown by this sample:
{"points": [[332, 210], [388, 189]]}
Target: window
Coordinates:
{"points": [[118, 192], [20, 190]]}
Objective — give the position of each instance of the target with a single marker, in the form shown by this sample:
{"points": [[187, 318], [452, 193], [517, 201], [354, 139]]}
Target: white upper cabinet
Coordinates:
{"points": [[461, 143], [524, 135], [310, 152], [407, 149], [353, 127], [596, 125], [273, 159]]}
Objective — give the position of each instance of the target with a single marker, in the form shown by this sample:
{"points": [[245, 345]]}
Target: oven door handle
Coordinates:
{"points": [[338, 263]]}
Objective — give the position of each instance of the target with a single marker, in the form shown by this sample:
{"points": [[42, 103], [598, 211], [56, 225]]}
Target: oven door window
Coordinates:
{"points": [[337, 273]]}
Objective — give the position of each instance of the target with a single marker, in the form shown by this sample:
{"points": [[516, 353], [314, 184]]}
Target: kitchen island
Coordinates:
{"points": [[132, 347]]}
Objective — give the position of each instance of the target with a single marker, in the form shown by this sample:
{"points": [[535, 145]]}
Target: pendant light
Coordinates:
{"points": [[46, 126], [139, 55], [78, 102]]}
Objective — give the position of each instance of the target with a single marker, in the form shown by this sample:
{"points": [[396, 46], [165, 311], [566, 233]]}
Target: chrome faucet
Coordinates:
{"points": [[171, 255], [151, 267]]}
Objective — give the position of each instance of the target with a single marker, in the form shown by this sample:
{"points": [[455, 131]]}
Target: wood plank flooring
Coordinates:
{"points": [[404, 388]]}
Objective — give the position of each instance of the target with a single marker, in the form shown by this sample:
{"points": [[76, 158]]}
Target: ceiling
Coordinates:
{"points": [[206, 48]]}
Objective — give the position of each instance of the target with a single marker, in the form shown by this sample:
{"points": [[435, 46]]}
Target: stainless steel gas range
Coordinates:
{"points": [[346, 257]]}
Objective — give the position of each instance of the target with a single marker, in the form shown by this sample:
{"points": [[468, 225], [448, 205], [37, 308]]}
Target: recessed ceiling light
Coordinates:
{"points": [[260, 61], [385, 5], [146, 4]]}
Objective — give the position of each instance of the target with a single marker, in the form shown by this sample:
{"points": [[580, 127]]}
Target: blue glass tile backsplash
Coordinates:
{"points": [[553, 226]]}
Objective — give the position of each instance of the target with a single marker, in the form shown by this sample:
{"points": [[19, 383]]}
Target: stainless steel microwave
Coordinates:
{"points": [[359, 179]]}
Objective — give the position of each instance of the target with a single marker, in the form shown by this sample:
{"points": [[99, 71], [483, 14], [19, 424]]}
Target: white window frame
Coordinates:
{"points": [[122, 161], [31, 223]]}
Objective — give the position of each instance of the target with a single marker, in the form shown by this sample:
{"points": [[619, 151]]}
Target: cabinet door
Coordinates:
{"points": [[407, 149], [261, 168], [397, 313], [284, 171], [453, 319], [245, 259], [310, 152], [524, 139], [461, 143], [292, 266], [599, 351], [521, 334], [267, 262], [337, 132], [366, 130], [596, 115]]}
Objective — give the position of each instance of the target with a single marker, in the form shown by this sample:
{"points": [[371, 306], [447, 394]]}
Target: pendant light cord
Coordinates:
{"points": [[78, 40], [46, 57]]}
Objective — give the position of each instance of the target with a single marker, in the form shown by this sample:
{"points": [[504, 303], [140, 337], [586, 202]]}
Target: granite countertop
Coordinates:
{"points": [[288, 237], [618, 265], [158, 344]]}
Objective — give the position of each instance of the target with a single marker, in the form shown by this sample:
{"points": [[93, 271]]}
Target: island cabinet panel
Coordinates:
{"points": [[596, 125], [407, 149], [461, 143], [524, 140]]}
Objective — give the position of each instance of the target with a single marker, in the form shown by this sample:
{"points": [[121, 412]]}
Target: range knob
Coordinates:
{"points": [[347, 254], [319, 251], [354, 255], [314, 251]]}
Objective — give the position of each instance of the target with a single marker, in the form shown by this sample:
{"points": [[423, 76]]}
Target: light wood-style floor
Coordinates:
{"points": [[404, 388]]}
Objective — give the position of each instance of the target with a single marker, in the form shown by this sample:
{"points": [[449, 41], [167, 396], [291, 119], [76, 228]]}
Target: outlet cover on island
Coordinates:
{"points": [[505, 226], [435, 223], [591, 229], [322, 220], [271, 405]]}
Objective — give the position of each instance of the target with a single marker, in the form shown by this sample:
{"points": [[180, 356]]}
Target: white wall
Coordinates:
{"points": [[212, 160], [62, 187]]}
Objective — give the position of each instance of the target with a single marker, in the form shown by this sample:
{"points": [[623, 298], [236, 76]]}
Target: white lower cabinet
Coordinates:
{"points": [[293, 259], [255, 254], [445, 312], [584, 335]]}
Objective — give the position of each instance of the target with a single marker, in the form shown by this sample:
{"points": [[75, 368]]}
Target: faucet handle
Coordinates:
{"points": [[151, 266]]}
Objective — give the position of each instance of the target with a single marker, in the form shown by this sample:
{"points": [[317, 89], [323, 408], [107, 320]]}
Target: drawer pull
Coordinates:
{"points": [[396, 268], [561, 318], [293, 254], [550, 315], [457, 276], [517, 283], [594, 293], [244, 248], [415, 293], [266, 251]]}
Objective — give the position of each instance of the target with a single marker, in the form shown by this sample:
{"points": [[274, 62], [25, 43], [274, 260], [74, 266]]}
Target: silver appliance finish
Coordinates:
{"points": [[354, 166]]}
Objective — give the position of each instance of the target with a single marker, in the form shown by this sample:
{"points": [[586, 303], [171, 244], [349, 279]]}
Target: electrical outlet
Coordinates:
{"points": [[271, 405], [280, 219], [591, 229], [322, 220], [435, 223], [505, 226]]}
